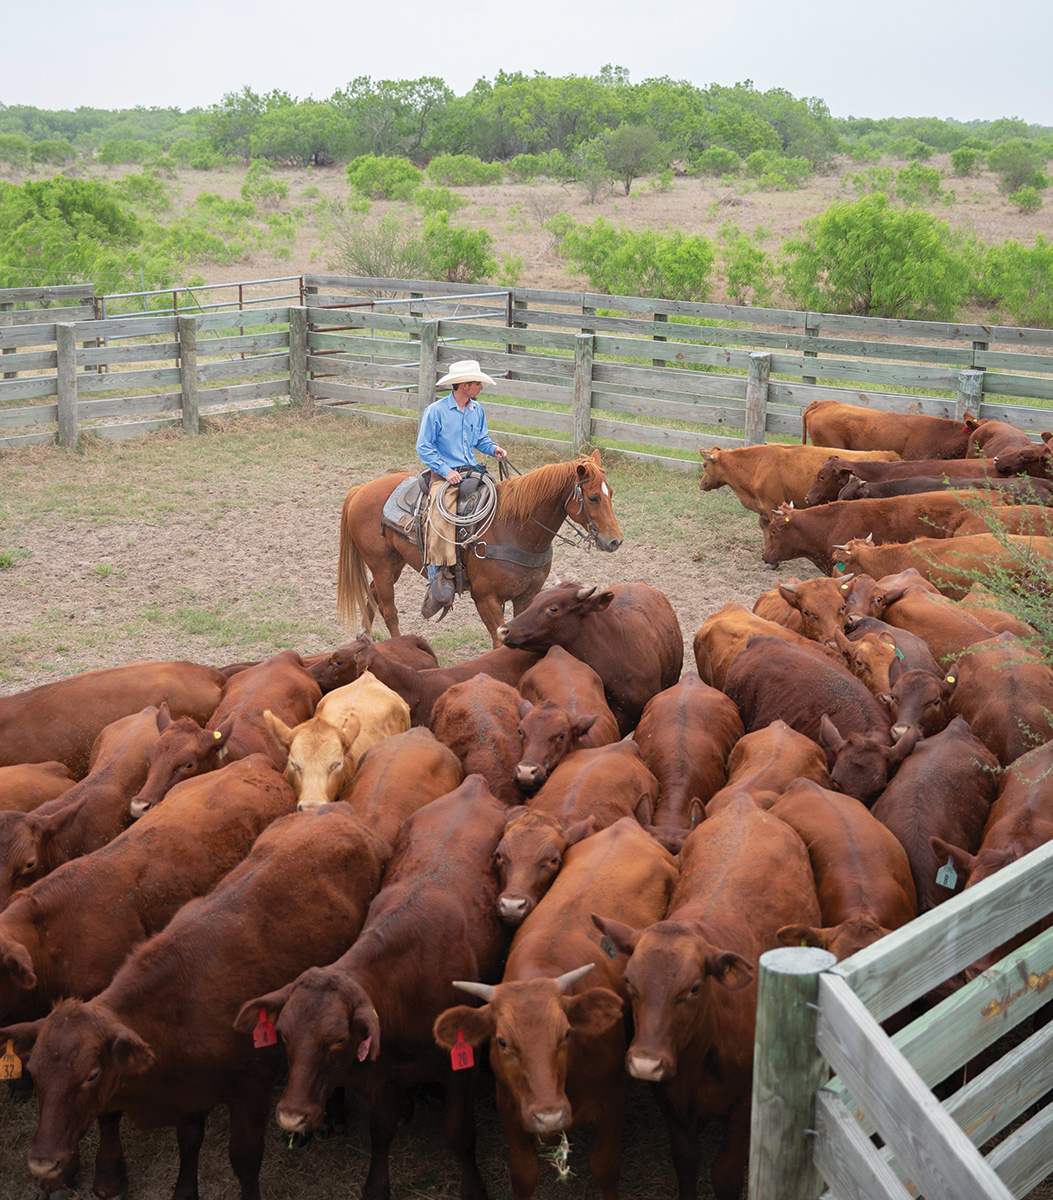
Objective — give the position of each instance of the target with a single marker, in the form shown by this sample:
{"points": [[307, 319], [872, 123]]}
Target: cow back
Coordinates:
{"points": [[767, 761], [24, 786], [605, 784]]}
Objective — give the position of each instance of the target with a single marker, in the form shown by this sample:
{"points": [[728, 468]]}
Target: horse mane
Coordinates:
{"points": [[521, 495]]}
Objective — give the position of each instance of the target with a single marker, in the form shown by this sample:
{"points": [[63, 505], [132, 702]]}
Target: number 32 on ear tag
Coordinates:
{"points": [[461, 1056], [10, 1063], [264, 1034]]}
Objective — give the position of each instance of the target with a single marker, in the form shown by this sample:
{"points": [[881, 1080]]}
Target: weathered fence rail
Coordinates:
{"points": [[819, 1016], [641, 375]]}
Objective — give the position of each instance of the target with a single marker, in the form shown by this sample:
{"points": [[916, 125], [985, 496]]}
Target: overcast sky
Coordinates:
{"points": [[962, 59]]}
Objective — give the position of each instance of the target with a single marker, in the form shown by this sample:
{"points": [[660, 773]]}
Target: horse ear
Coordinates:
{"points": [[596, 456]]}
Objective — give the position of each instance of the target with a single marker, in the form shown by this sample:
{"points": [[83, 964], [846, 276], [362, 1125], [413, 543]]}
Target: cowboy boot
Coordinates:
{"points": [[439, 596]]}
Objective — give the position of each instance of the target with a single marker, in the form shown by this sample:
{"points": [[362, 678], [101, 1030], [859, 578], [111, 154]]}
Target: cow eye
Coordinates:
{"points": [[552, 608], [30, 865], [562, 737], [188, 766], [93, 1077], [336, 766], [502, 1043], [695, 990], [293, 765]]}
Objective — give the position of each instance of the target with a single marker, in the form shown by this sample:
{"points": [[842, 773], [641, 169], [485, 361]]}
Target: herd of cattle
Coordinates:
{"points": [[565, 855]]}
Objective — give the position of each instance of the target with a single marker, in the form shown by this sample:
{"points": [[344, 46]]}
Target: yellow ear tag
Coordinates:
{"points": [[950, 678], [10, 1063], [216, 734]]}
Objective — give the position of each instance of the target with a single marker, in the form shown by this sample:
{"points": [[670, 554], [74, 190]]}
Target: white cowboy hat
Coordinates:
{"points": [[466, 371]]}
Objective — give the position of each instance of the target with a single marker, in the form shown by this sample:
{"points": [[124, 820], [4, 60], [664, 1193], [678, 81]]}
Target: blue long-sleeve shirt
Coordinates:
{"points": [[449, 438]]}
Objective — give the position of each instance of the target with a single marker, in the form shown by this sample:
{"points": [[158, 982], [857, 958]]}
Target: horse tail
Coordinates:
{"points": [[352, 581]]}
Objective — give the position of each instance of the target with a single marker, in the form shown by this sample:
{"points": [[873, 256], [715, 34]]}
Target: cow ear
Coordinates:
{"points": [[593, 1012], [643, 810], [580, 830], [947, 685], [696, 812], [366, 1018], [730, 970], [223, 730], [788, 592], [829, 737], [964, 862], [272, 1003], [623, 936], [131, 1054], [473, 1022], [524, 707], [281, 732], [514, 813], [600, 601], [164, 717], [24, 1035], [580, 726], [802, 935], [349, 731], [18, 964]]}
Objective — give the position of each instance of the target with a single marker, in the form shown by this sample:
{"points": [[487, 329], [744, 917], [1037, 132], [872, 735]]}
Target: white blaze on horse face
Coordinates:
{"points": [[605, 489]]}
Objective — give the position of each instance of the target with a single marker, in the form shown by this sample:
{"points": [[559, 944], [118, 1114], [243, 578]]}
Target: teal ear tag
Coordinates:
{"points": [[947, 876], [899, 652], [840, 566]]}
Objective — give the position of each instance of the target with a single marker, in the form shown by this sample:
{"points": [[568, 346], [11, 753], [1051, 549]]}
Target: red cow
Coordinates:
{"points": [[911, 435], [479, 721], [945, 627], [421, 688], [993, 438], [399, 775], [59, 721], [159, 1042], [1004, 689], [765, 763], [587, 791], [918, 703], [722, 637], [26, 785], [861, 871], [839, 469], [1018, 519], [628, 634], [763, 477], [1033, 459], [92, 813], [944, 789], [821, 606], [554, 1023], [774, 606], [236, 729], [915, 652], [692, 980], [685, 736], [366, 1018]]}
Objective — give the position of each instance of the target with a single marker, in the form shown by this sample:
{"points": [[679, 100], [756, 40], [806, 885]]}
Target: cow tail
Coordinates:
{"points": [[804, 425], [352, 581]]}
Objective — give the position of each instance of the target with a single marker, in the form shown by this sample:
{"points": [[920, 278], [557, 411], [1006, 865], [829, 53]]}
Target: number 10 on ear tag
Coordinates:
{"points": [[947, 876], [10, 1063], [264, 1034], [461, 1056]]}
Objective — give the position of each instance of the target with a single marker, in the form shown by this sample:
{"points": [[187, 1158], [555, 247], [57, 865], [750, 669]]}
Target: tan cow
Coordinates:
{"points": [[324, 752]]}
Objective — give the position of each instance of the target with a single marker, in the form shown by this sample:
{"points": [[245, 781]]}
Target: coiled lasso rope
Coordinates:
{"points": [[483, 516]]}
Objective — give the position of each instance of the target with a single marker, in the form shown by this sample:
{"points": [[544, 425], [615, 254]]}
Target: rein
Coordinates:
{"points": [[578, 536]]}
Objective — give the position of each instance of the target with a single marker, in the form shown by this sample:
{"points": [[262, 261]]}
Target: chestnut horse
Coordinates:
{"points": [[530, 508]]}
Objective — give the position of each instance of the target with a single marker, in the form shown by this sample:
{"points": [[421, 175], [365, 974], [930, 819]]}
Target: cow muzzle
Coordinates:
{"points": [[642, 1066], [530, 776], [548, 1120], [299, 1120], [513, 909], [137, 807], [47, 1168]]}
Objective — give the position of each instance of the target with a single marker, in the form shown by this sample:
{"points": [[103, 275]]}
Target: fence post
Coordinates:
{"points": [[298, 359], [188, 373], [756, 397], [6, 308], [970, 393], [810, 330], [66, 346], [429, 357], [787, 1072], [517, 307], [581, 409], [662, 318]]}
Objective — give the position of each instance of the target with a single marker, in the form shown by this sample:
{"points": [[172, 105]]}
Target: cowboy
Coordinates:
{"points": [[452, 428]]}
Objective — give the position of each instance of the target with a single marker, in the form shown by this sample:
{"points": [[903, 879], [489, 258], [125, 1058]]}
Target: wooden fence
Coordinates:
{"points": [[814, 1016], [571, 369]]}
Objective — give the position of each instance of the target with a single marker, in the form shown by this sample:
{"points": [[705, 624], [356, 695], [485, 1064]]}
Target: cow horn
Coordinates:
{"points": [[838, 547], [571, 977], [846, 578], [483, 990], [585, 592], [791, 588]]}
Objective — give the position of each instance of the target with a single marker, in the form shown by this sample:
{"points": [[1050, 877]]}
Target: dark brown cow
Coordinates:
{"points": [[838, 469], [1034, 459], [692, 980], [59, 721], [763, 477], [420, 688], [26, 785], [918, 702], [92, 813], [399, 775], [628, 634], [159, 1042], [722, 637], [588, 791], [910, 435], [366, 1019], [765, 763], [685, 736], [479, 721], [236, 729], [1002, 491], [557, 1043], [944, 789], [916, 655], [1018, 519], [1004, 689], [992, 438], [342, 666], [862, 875], [812, 533]]}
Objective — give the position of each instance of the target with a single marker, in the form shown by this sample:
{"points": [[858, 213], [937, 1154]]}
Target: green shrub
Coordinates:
{"points": [[53, 151], [861, 152], [197, 153], [463, 170], [115, 151], [457, 254], [872, 179], [634, 150], [749, 269], [438, 199], [145, 191], [383, 177], [14, 151], [717, 160], [918, 184], [524, 167], [589, 164], [910, 148], [260, 186], [966, 161], [1018, 164], [1016, 277], [873, 259], [384, 249], [1026, 200]]}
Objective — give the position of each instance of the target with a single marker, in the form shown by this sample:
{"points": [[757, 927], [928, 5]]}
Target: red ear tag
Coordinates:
{"points": [[10, 1063], [264, 1034], [461, 1056], [363, 1047]]}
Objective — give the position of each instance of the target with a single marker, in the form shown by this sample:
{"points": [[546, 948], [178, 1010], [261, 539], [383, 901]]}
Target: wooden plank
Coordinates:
{"points": [[941, 1159], [46, 316], [906, 964], [357, 343], [96, 356], [359, 319], [238, 368], [249, 343], [756, 398], [504, 335], [998, 384], [88, 382], [441, 288], [37, 295], [243, 391], [35, 335], [1007, 360], [649, 435], [26, 389], [684, 386], [581, 402], [298, 358], [362, 370], [1026, 418], [34, 414], [26, 439], [897, 374], [676, 464], [847, 1159], [688, 308], [326, 389], [521, 389], [120, 327], [538, 417], [139, 428], [428, 364], [671, 410], [1022, 1160], [246, 318], [792, 393], [128, 406], [679, 352], [33, 360]]}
